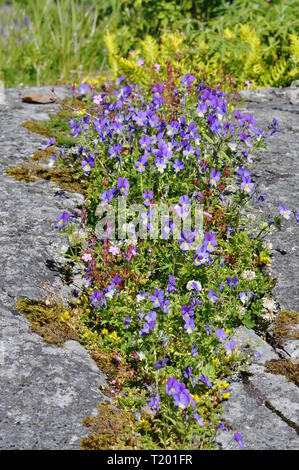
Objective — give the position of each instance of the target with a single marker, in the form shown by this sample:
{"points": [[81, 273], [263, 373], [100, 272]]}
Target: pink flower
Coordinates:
{"points": [[87, 257], [97, 99]]}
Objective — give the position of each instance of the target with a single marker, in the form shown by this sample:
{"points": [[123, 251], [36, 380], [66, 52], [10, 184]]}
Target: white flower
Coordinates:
{"points": [[141, 355], [248, 275], [269, 304]]}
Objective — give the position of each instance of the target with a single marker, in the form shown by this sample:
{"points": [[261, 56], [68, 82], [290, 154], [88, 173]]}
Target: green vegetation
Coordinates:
{"points": [[48, 41]]}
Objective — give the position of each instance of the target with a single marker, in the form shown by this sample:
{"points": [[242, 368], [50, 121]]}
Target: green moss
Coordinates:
{"points": [[111, 429], [57, 125], [284, 327], [284, 367], [64, 176], [48, 321]]}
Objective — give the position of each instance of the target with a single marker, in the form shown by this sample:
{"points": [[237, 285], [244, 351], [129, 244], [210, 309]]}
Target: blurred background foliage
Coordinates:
{"points": [[51, 41]]}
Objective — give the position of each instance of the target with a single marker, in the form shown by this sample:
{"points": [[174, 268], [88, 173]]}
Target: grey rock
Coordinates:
{"points": [[262, 429], [254, 346], [45, 391]]}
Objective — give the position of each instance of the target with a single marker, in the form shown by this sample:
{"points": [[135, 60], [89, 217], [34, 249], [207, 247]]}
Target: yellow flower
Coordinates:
{"points": [[113, 335], [223, 385], [196, 397], [214, 361], [104, 331], [81, 112], [226, 396]]}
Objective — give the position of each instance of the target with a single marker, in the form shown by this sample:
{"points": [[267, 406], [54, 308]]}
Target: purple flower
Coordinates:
{"points": [[141, 164], [205, 380], [189, 325], [123, 185], [187, 312], [214, 177], [147, 197], [172, 386], [96, 298], [188, 372], [201, 256], [239, 439], [49, 143], [84, 88], [223, 427], [107, 195], [165, 305], [87, 165], [127, 321], [297, 217], [157, 298], [229, 347], [221, 335], [194, 350], [178, 165], [162, 363], [198, 419], [232, 281], [212, 296], [187, 80], [210, 242], [62, 219], [284, 212], [182, 399], [187, 238], [154, 403]]}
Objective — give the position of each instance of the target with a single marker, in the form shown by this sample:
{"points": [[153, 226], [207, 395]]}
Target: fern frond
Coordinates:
{"points": [[150, 49]]}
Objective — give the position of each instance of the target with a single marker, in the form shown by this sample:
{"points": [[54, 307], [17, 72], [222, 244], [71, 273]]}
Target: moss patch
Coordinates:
{"points": [[112, 428], [284, 327], [48, 321], [65, 176], [284, 367]]}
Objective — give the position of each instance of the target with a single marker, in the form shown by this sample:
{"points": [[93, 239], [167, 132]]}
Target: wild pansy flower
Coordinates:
{"points": [[84, 88], [187, 80], [157, 298], [223, 427], [160, 164], [210, 242], [229, 347], [214, 177], [246, 139], [162, 363], [212, 296], [178, 165], [198, 419], [189, 325], [297, 217], [87, 165], [145, 142], [123, 185], [232, 281], [147, 197], [187, 238], [194, 285], [221, 335], [194, 350], [205, 380], [187, 312], [127, 321], [172, 386], [182, 399], [154, 403], [97, 298], [165, 305], [141, 164], [239, 439], [107, 195], [49, 143], [232, 146], [171, 286], [243, 297], [284, 212], [201, 109], [201, 256], [246, 184], [62, 219]]}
